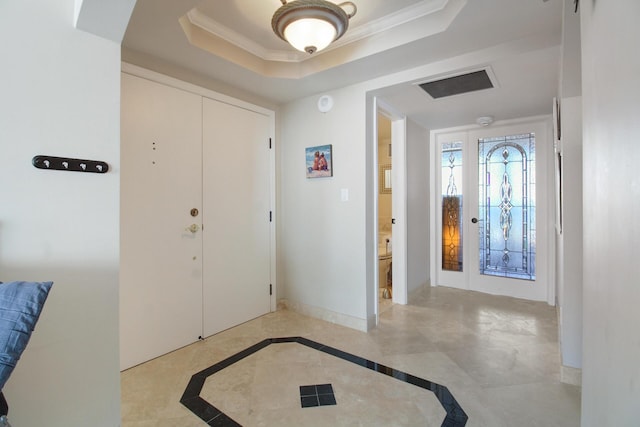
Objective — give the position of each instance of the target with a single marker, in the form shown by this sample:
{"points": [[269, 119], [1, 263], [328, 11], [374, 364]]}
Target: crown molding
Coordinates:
{"points": [[400, 17], [214, 27]]}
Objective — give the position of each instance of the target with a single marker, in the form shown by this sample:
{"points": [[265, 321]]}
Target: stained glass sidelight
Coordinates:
{"points": [[451, 164], [507, 206]]}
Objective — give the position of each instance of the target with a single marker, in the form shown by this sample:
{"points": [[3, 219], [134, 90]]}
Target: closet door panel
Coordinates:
{"points": [[161, 258], [236, 202]]}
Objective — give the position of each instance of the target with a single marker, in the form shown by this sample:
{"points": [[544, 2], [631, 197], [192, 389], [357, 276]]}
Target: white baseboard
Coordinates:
{"points": [[569, 375], [372, 323], [328, 316]]}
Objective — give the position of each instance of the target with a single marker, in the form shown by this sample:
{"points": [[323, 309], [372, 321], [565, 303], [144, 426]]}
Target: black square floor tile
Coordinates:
{"points": [[326, 399], [309, 401], [317, 395], [308, 390], [324, 389]]}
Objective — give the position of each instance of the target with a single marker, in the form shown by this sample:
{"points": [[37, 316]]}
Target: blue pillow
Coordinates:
{"points": [[20, 307]]}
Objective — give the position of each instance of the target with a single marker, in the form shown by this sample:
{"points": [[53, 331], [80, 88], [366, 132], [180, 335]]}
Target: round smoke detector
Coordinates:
{"points": [[325, 103], [484, 120]]}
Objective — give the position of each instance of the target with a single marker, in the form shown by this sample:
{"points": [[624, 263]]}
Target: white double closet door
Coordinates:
{"points": [[196, 235]]}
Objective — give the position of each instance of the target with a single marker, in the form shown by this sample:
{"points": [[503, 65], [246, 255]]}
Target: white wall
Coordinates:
{"points": [[322, 239], [311, 210], [417, 207], [569, 243], [611, 131], [570, 273], [60, 96]]}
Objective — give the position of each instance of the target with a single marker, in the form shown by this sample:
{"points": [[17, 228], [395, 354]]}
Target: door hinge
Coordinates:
{"points": [[270, 216], [270, 289], [269, 143]]}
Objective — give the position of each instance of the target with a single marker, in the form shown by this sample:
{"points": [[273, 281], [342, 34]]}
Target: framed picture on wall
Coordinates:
{"points": [[319, 161]]}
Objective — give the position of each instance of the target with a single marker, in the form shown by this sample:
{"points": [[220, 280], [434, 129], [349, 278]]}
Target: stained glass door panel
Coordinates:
{"points": [[452, 214], [507, 206], [451, 204], [509, 244]]}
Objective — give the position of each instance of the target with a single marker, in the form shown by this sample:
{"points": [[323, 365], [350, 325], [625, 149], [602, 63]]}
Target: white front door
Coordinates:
{"points": [[161, 266], [196, 236], [237, 199], [492, 210]]}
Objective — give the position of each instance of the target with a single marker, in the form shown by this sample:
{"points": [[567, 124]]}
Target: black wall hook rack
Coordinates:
{"points": [[67, 164]]}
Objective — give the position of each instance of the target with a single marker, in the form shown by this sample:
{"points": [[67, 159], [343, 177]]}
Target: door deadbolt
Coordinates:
{"points": [[474, 220], [194, 212]]}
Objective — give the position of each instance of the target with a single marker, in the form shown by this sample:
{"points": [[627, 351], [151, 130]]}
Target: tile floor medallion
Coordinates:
{"points": [[498, 356], [222, 395]]}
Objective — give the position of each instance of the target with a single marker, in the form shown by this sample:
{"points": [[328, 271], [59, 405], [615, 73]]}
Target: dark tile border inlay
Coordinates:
{"points": [[455, 417]]}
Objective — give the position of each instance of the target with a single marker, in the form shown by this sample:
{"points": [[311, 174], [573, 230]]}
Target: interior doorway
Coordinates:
{"points": [[390, 206], [385, 213]]}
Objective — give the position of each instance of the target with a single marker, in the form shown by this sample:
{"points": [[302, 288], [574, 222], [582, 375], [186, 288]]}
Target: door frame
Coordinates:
{"points": [[399, 202], [545, 206]]}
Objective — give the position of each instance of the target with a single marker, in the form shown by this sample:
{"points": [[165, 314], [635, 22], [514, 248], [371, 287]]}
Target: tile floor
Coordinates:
{"points": [[498, 356]]}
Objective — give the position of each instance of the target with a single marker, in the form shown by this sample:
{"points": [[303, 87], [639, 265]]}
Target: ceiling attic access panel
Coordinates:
{"points": [[457, 85]]}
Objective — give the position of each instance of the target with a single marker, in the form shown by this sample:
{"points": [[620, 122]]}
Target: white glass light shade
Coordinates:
{"points": [[311, 25], [306, 34]]}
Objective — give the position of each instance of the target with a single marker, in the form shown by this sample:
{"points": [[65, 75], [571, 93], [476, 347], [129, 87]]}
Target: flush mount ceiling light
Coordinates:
{"points": [[311, 25]]}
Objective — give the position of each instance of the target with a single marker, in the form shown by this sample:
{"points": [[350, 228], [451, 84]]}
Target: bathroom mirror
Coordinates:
{"points": [[384, 182]]}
